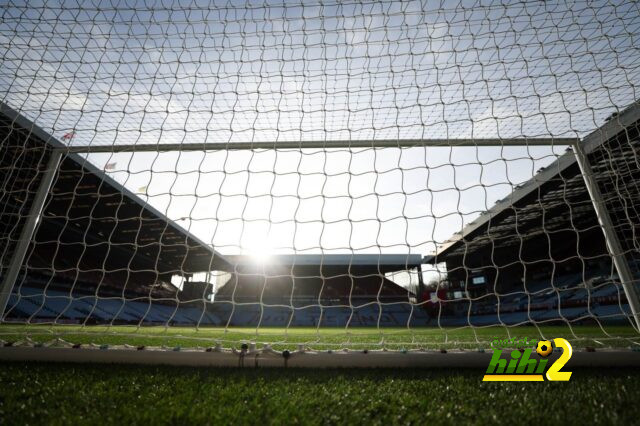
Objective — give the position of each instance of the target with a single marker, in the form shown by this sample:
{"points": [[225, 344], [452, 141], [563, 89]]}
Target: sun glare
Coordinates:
{"points": [[259, 248]]}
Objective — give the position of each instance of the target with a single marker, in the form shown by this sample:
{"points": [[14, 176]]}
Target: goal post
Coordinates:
{"points": [[618, 255], [369, 183], [28, 228]]}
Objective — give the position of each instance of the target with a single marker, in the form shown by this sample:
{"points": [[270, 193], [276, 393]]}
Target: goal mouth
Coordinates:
{"points": [[359, 181], [137, 277]]}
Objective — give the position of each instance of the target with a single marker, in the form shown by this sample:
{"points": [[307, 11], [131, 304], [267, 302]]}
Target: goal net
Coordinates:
{"points": [[367, 176]]}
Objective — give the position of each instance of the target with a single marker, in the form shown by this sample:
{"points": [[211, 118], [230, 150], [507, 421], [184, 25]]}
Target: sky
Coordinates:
{"points": [[133, 72]]}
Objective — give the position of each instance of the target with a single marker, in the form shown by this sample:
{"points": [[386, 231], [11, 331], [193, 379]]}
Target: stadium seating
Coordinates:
{"points": [[573, 297]]}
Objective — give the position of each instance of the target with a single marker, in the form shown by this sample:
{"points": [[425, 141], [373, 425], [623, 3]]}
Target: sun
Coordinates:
{"points": [[258, 247]]}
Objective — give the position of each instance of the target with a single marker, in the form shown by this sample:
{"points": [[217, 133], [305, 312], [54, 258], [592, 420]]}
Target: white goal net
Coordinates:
{"points": [[363, 175]]}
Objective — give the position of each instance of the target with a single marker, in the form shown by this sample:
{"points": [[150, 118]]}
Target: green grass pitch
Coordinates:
{"points": [[433, 338], [98, 394], [41, 393]]}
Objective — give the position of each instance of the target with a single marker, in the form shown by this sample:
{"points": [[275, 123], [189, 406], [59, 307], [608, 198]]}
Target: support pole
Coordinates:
{"points": [[420, 285], [611, 238], [28, 229]]}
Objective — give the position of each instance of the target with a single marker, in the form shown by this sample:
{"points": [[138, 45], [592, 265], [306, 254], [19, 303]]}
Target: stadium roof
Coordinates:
{"points": [[372, 262], [541, 204], [94, 221]]}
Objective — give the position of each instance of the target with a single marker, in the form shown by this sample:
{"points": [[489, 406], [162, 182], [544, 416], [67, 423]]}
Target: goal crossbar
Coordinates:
{"points": [[315, 144]]}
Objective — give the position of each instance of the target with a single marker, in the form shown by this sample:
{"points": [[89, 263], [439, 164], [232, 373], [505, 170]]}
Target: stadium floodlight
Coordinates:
{"points": [[365, 183]]}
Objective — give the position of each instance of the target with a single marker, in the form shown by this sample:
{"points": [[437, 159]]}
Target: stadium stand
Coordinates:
{"points": [[539, 254], [319, 290], [95, 239]]}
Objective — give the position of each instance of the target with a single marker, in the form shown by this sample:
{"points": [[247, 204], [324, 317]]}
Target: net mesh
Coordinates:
{"points": [[395, 245]]}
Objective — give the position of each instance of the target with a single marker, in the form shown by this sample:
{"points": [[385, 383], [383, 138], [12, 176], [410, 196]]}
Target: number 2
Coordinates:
{"points": [[554, 373]]}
